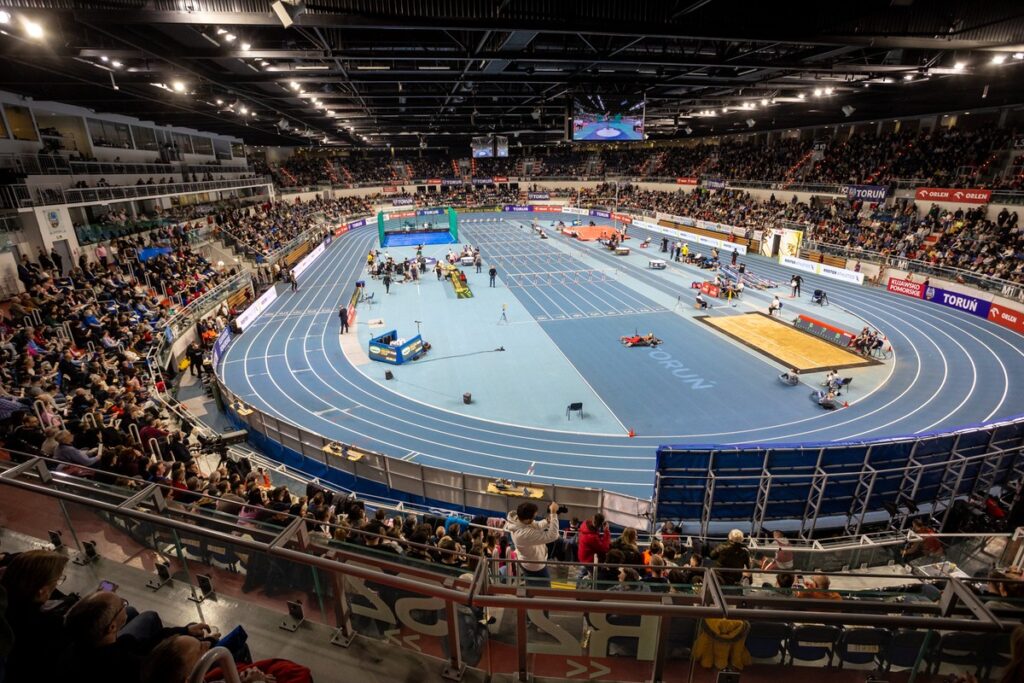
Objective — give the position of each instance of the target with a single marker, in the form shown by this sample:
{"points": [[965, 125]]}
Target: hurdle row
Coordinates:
{"points": [[533, 259], [570, 277]]}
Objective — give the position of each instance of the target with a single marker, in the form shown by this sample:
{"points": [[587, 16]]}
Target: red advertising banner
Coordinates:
{"points": [[623, 217], [1007, 317], [686, 181], [546, 208], [946, 194], [341, 230], [906, 287], [499, 179], [389, 189], [434, 181]]}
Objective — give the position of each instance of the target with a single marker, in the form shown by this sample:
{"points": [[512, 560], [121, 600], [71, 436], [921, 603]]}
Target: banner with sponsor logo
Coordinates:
{"points": [[547, 208], [622, 217], [221, 345], [451, 181], [397, 214], [871, 193], [714, 184], [429, 212], [250, 314], [482, 181], [357, 224], [538, 196], [575, 211], [600, 214], [686, 181], [724, 246], [500, 179], [517, 209], [389, 189], [906, 287], [403, 201], [434, 181], [822, 269], [945, 194], [1007, 317], [961, 302]]}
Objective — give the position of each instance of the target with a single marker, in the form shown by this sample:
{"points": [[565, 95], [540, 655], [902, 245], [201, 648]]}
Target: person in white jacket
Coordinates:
{"points": [[531, 538]]}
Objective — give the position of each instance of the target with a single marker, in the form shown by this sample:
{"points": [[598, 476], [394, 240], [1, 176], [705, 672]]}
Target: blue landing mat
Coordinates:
{"points": [[412, 239]]}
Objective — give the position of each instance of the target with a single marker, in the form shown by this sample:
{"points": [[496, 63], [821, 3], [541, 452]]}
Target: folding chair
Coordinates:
{"points": [[574, 408]]}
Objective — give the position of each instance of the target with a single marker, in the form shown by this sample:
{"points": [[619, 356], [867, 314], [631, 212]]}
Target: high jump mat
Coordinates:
{"points": [[784, 343]]}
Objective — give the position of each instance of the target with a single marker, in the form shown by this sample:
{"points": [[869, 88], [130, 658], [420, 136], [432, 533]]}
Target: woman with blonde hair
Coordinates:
{"points": [[627, 544]]}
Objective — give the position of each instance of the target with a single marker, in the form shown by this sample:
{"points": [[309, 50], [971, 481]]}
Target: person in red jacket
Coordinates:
{"points": [[594, 539]]}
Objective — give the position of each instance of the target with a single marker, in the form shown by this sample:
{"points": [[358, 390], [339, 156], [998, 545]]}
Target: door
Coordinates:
{"points": [[64, 249], [776, 240]]}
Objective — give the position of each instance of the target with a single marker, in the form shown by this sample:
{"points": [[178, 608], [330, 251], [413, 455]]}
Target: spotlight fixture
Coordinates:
{"points": [[750, 123], [848, 110], [293, 85], [5, 17], [288, 12], [243, 110], [32, 28], [1018, 55], [246, 46], [178, 86], [959, 66], [104, 59], [908, 77], [764, 103], [220, 102], [116, 64], [998, 59], [817, 92], [828, 91], [801, 95], [230, 37]]}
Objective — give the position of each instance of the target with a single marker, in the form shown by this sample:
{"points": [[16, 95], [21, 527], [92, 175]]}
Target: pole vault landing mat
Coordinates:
{"points": [[785, 344], [413, 238]]}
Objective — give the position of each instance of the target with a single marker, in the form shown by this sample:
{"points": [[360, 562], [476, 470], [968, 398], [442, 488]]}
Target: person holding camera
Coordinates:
{"points": [[531, 538], [595, 539]]}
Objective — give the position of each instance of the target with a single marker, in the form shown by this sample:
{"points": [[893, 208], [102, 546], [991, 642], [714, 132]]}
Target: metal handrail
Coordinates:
{"points": [[222, 658]]}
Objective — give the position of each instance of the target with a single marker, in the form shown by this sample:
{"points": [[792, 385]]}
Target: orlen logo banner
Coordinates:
{"points": [[945, 194], [1007, 317], [622, 217], [547, 208], [686, 181], [961, 302], [906, 287]]}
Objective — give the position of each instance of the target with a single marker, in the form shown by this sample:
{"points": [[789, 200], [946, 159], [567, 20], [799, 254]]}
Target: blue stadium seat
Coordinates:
{"points": [[863, 646], [767, 640], [957, 648], [812, 643]]}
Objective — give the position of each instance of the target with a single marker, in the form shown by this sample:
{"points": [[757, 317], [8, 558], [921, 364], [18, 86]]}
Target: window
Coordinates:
{"points": [[145, 138], [20, 121], [110, 134], [183, 143], [237, 150], [3, 128], [202, 146], [222, 148]]}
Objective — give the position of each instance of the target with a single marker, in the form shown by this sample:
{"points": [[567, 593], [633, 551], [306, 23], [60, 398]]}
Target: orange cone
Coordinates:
{"points": [[845, 404], [631, 433]]}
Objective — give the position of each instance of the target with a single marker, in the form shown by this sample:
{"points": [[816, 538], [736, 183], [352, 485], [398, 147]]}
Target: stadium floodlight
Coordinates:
{"points": [[288, 12], [848, 110], [750, 123], [998, 59]]}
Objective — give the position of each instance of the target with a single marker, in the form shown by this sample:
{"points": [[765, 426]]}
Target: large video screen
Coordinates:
{"points": [[501, 145], [608, 118], [483, 147]]}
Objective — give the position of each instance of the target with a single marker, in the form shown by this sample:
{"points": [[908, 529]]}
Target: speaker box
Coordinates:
{"points": [[388, 374]]}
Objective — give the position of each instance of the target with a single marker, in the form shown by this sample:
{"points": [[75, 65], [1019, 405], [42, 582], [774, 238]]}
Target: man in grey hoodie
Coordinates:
{"points": [[531, 538]]}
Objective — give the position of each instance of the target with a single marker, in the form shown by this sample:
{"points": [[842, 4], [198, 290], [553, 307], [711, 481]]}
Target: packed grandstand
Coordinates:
{"points": [[128, 480]]}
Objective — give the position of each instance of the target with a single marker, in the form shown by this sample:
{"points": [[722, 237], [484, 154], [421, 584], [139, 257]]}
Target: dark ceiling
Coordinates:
{"points": [[412, 71]]}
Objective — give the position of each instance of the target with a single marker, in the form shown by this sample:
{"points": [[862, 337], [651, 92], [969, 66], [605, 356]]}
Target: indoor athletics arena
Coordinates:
{"points": [[662, 342]]}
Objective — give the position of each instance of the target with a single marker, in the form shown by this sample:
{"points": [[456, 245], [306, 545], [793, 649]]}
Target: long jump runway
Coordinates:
{"points": [[952, 370]]}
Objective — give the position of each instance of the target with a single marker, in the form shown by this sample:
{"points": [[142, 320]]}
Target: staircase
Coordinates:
{"points": [[409, 172], [594, 165], [347, 173], [472, 167], [292, 180], [332, 174], [650, 167], [521, 167], [790, 176], [455, 168]]}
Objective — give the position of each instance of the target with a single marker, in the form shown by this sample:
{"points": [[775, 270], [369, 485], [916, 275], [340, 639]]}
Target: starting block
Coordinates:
{"points": [[656, 264]]}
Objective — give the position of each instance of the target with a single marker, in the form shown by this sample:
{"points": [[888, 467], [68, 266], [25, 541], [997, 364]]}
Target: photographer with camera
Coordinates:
{"points": [[531, 538]]}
